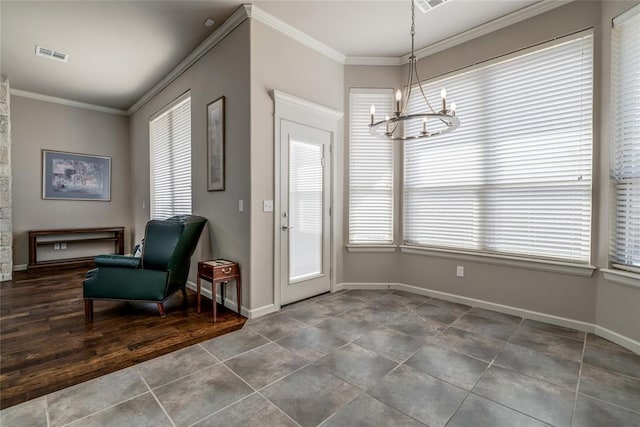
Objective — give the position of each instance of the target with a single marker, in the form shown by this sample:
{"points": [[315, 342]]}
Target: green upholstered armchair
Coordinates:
{"points": [[159, 273]]}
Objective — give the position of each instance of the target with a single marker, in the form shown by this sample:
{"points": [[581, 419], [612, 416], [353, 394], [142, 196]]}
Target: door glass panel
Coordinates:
{"points": [[305, 209]]}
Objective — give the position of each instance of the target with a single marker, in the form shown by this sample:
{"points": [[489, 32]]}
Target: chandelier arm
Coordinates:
{"points": [[386, 128], [409, 84], [422, 90]]}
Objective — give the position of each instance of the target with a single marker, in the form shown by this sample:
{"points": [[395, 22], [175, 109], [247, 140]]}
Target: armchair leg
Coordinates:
{"points": [[161, 310], [88, 309], [184, 293]]}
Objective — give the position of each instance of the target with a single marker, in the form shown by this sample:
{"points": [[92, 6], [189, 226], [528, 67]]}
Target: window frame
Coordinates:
{"points": [[170, 106], [504, 258], [619, 272], [371, 245]]}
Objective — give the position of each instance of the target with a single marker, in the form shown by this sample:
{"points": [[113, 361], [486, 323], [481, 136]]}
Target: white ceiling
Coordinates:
{"points": [[119, 49]]}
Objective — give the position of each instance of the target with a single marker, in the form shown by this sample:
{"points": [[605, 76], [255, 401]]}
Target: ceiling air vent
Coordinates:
{"points": [[51, 54], [427, 5]]}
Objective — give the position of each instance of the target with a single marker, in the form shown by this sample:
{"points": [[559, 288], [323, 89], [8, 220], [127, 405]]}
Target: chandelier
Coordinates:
{"points": [[433, 122]]}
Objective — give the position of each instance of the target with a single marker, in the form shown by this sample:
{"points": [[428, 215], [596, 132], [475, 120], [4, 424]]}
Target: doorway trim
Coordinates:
{"points": [[293, 109]]}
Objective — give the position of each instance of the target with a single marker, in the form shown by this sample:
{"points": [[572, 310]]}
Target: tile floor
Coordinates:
{"points": [[365, 358]]}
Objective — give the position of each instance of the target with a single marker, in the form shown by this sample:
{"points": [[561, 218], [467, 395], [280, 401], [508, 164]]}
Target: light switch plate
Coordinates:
{"points": [[240, 205], [267, 205]]}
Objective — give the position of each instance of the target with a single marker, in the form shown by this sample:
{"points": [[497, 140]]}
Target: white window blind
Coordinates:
{"points": [[515, 178], [370, 170], [625, 131], [170, 145]]}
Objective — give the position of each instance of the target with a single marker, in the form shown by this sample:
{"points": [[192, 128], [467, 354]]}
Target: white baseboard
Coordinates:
{"points": [[263, 311], [527, 314], [205, 291], [618, 339], [20, 267]]}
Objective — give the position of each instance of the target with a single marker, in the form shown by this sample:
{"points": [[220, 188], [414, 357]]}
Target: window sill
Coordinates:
{"points": [[508, 261], [622, 277], [371, 248]]}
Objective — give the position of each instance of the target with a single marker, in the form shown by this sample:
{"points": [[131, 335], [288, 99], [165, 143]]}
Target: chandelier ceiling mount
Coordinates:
{"points": [[433, 122]]}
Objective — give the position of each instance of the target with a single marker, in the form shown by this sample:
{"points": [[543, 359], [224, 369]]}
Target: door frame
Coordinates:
{"points": [[297, 110]]}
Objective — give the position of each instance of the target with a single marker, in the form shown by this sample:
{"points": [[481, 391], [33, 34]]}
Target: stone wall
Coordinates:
{"points": [[6, 229]]}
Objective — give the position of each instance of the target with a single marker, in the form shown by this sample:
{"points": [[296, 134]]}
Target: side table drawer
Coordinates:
{"points": [[223, 271], [217, 272]]}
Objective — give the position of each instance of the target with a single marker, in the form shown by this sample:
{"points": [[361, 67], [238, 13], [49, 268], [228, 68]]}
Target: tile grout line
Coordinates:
{"points": [[158, 402], [186, 375], [257, 391], [489, 365], [577, 388], [616, 405], [613, 372], [46, 410], [234, 402], [103, 409], [338, 410], [309, 363], [223, 408]]}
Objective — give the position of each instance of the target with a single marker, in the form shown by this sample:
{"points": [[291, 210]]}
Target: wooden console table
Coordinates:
{"points": [[74, 238], [219, 271]]}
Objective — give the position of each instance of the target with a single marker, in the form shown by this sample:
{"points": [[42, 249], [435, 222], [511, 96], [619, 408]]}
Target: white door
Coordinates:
{"points": [[304, 211]]}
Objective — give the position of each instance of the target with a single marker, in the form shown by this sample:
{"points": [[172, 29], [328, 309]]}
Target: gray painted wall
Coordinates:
{"points": [[591, 299], [38, 125], [617, 305], [279, 62], [224, 70]]}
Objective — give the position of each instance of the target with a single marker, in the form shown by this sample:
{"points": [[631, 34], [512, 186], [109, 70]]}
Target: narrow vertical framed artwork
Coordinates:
{"points": [[215, 145]]}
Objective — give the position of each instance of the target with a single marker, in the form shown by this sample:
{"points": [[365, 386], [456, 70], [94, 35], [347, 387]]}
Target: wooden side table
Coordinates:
{"points": [[219, 271]]}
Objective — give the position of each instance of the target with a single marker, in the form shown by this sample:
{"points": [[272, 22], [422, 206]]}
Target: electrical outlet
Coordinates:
{"points": [[56, 246], [63, 246], [460, 271]]}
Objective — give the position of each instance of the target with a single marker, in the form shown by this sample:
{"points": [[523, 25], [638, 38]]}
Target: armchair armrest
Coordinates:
{"points": [[119, 261]]}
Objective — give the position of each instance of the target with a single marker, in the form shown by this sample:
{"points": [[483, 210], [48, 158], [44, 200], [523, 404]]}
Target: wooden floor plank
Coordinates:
{"points": [[45, 344]]}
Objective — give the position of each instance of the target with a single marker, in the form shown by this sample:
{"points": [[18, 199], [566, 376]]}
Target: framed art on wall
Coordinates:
{"points": [[73, 176], [215, 145]]}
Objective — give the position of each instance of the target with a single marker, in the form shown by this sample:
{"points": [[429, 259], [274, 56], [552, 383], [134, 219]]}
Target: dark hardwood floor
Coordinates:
{"points": [[46, 345]]}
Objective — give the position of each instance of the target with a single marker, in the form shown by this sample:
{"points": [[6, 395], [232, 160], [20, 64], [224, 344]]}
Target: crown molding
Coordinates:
{"points": [[373, 60], [286, 98], [286, 29], [67, 102], [489, 27], [252, 11], [237, 18]]}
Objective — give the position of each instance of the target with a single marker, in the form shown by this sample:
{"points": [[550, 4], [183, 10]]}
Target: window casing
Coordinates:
{"points": [[371, 203], [170, 159], [625, 140], [515, 178]]}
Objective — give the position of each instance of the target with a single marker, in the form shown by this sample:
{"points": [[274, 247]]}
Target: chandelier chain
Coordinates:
{"points": [[446, 116]]}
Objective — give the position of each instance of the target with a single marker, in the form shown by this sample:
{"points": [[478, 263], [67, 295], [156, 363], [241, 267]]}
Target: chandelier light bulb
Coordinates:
{"points": [[443, 121], [453, 107]]}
